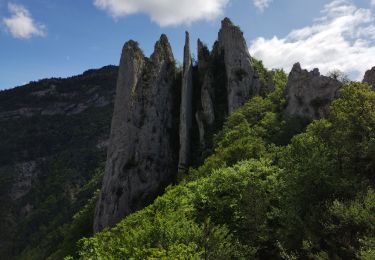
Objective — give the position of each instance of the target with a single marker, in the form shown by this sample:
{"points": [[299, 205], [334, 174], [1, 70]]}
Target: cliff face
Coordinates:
{"points": [[370, 77], [186, 112], [141, 155], [242, 81], [309, 94], [143, 149], [227, 78]]}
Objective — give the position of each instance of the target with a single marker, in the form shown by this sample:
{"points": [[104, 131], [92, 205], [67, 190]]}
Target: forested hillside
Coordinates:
{"points": [[275, 187]]}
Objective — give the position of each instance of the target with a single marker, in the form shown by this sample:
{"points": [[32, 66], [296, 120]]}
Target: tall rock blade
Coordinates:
{"points": [[141, 157], [186, 109], [241, 75], [227, 79]]}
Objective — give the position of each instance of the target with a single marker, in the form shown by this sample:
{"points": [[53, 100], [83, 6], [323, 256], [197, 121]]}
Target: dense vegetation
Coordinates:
{"points": [[274, 188], [270, 187]]}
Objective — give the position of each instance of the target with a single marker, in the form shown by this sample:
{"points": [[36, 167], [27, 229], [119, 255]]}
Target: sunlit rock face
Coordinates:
{"points": [[227, 77], [242, 81], [142, 158], [310, 94]]}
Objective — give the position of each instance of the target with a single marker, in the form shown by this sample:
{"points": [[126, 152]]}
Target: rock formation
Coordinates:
{"points": [[141, 157], [370, 77], [186, 110], [309, 94], [227, 78], [143, 152], [242, 79]]}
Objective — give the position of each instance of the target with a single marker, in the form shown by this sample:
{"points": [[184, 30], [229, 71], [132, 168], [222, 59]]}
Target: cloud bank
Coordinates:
{"points": [[342, 38], [21, 25], [165, 12]]}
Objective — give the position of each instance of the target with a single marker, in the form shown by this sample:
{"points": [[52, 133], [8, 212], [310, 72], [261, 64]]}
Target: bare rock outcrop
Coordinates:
{"points": [[142, 157], [309, 94], [227, 78], [186, 109], [241, 76], [370, 77]]}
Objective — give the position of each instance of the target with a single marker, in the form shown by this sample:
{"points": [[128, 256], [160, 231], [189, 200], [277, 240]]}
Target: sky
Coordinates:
{"points": [[54, 38]]}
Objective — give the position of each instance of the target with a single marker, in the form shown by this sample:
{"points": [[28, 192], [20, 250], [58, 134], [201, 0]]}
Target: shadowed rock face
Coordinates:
{"points": [[186, 112], [309, 94], [370, 77], [227, 77], [141, 158]]}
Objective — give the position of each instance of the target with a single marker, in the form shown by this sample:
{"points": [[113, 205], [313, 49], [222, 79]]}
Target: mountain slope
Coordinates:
{"points": [[54, 135]]}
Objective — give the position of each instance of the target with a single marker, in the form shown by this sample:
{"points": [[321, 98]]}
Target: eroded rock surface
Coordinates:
{"points": [[370, 77], [186, 112], [227, 78], [310, 94], [241, 76], [142, 157]]}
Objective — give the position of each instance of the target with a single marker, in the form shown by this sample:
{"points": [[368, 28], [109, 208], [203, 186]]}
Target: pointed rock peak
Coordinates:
{"points": [[187, 55], [131, 53], [187, 38], [131, 46], [316, 72], [203, 56], [227, 25], [297, 67], [163, 49], [164, 39], [202, 48], [226, 22], [200, 44]]}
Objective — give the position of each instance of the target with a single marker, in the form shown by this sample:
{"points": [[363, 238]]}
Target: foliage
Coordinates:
{"points": [[339, 75], [261, 195]]}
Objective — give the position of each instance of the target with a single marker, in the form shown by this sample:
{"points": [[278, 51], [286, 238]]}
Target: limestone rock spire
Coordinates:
{"points": [[186, 109], [141, 158], [241, 78]]}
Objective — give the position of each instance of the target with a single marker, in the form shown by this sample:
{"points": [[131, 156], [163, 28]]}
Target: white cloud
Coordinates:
{"points": [[372, 2], [21, 25], [263, 4], [165, 12], [343, 38]]}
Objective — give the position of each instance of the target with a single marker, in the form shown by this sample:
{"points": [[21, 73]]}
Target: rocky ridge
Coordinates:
{"points": [[52, 96], [155, 119]]}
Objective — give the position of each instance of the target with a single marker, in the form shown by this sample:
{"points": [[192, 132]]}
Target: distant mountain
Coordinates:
{"points": [[54, 135]]}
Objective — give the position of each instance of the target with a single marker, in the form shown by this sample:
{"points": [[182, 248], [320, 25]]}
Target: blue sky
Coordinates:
{"points": [[54, 38]]}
